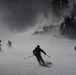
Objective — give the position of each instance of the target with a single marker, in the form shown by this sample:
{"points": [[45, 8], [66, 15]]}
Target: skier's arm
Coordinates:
{"points": [[34, 52], [43, 51]]}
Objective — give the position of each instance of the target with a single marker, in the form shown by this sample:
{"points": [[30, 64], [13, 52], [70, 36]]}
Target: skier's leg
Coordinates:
{"points": [[42, 60], [0, 48], [11, 46], [8, 46], [38, 59]]}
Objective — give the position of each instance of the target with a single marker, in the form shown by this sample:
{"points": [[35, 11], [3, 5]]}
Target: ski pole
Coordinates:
{"points": [[48, 55], [29, 57]]}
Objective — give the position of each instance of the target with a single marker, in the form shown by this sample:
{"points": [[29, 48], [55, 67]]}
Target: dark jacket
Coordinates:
{"points": [[37, 51]]}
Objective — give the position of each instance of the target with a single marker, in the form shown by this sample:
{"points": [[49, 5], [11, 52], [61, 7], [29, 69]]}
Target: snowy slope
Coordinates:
{"points": [[61, 50]]}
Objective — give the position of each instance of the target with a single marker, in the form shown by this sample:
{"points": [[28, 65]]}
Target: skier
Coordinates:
{"points": [[0, 45], [37, 52], [9, 44], [75, 48]]}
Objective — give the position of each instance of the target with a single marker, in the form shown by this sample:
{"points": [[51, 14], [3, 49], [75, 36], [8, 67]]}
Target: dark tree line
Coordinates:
{"points": [[68, 25]]}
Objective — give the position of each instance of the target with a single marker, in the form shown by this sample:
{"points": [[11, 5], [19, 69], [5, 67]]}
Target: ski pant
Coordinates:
{"points": [[40, 60], [0, 48]]}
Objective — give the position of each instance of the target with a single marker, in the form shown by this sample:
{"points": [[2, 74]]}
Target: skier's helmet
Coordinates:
{"points": [[38, 46]]}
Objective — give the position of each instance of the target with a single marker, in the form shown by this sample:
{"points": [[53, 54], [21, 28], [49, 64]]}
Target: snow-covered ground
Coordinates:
{"points": [[61, 50]]}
